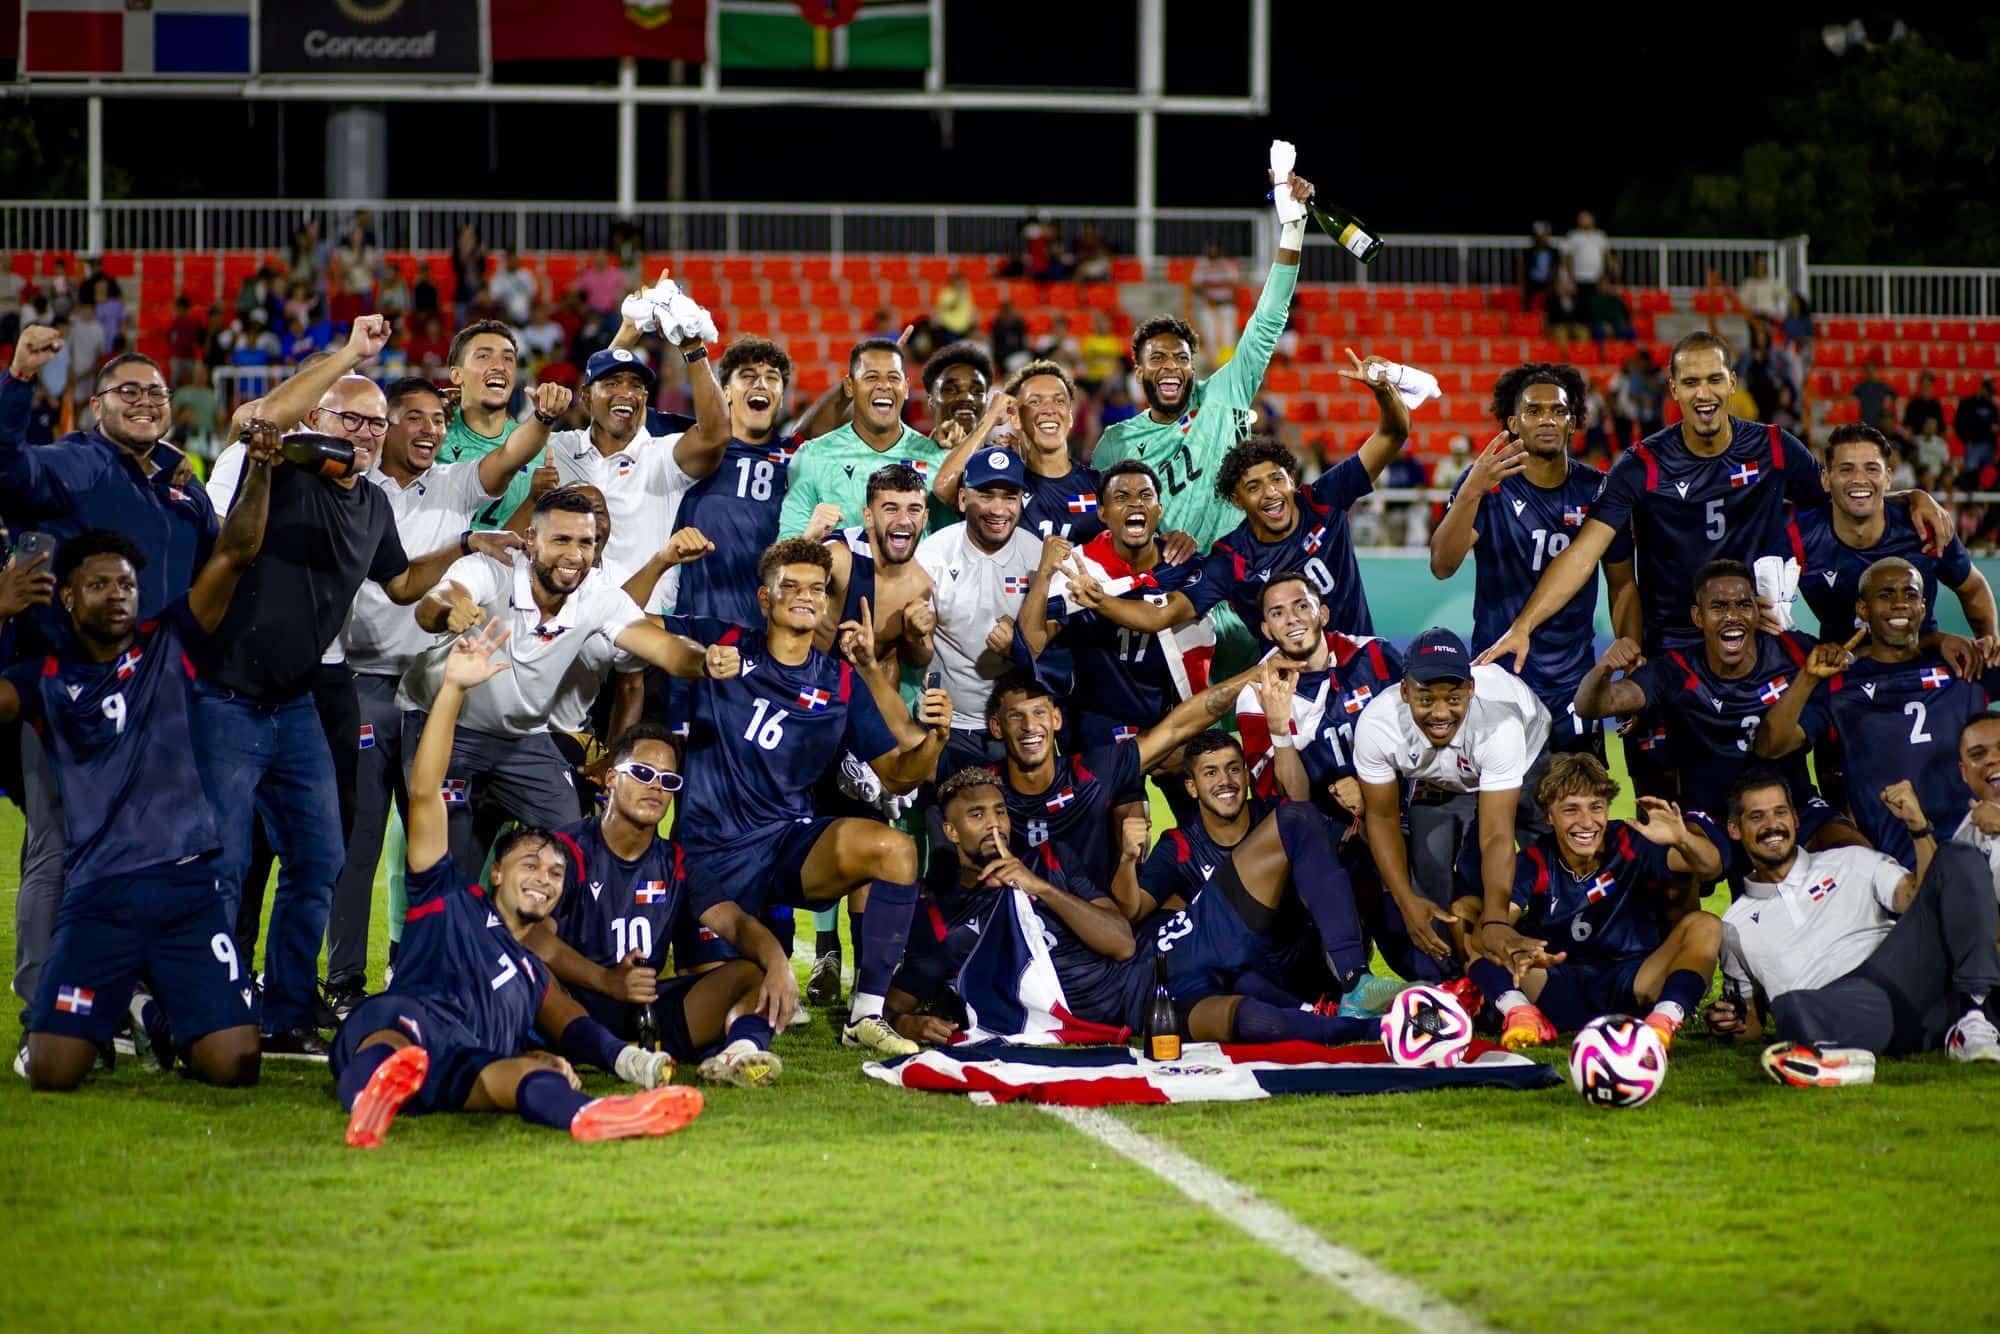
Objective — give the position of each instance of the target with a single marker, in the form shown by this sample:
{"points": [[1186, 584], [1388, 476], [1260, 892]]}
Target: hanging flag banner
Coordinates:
{"points": [[830, 35], [135, 39], [334, 39], [600, 30]]}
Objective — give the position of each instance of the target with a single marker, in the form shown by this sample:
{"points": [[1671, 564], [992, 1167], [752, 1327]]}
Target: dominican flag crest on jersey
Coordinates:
{"points": [[1355, 700], [75, 1000], [1595, 891], [813, 699], [625, 464], [1061, 799], [1743, 474], [1010, 985], [367, 736], [1573, 515], [1654, 739], [778, 456], [128, 662], [1825, 887], [1773, 691], [1123, 733], [1083, 504], [1315, 539], [1013, 585], [1933, 678], [454, 792], [650, 891]]}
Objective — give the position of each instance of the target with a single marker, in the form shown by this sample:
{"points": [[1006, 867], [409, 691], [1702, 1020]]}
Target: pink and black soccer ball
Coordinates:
{"points": [[1426, 1027], [1617, 1061]]}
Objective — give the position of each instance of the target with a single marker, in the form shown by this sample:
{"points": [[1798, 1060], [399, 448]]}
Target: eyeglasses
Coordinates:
{"points": [[355, 422], [134, 393], [664, 779]]}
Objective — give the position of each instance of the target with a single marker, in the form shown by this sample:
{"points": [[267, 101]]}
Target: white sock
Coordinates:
{"points": [[1508, 1000], [1672, 1012], [864, 1005], [741, 1047]]}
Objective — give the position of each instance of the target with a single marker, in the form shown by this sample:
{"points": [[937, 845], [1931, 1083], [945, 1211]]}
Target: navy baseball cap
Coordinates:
{"points": [[994, 467], [1437, 655], [612, 360]]}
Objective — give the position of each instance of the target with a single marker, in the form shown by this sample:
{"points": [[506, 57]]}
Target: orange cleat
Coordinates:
{"points": [[1818, 1065], [394, 1083], [1526, 1026], [1665, 1027], [655, 1112]]}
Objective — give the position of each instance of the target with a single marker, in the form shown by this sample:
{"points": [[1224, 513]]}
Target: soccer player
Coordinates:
{"points": [[833, 469], [1185, 858], [114, 710], [1714, 698], [1519, 505], [1835, 543], [1889, 707], [1705, 488], [1591, 926], [1470, 737], [1979, 769], [759, 738], [875, 563], [1062, 494], [623, 900], [957, 379], [571, 627], [1844, 951], [483, 364], [454, 1031]]}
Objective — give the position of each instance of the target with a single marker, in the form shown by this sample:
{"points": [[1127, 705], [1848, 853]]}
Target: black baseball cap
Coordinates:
{"points": [[1437, 655]]}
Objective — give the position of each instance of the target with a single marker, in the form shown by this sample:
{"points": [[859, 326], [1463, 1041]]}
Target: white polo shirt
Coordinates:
{"points": [[381, 638], [1988, 845], [1816, 925], [1504, 730], [972, 589], [555, 667], [642, 486]]}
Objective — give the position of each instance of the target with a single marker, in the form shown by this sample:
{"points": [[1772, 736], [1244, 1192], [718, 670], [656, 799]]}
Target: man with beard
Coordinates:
{"points": [[1890, 709], [433, 503], [833, 469], [1837, 542], [1519, 505], [1845, 953], [1707, 487], [1216, 776], [115, 477], [1062, 494], [483, 364], [571, 625], [876, 575]]}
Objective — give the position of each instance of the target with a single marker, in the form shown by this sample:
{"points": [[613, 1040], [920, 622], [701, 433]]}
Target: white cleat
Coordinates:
{"points": [[1973, 1038], [872, 1033], [754, 1069]]}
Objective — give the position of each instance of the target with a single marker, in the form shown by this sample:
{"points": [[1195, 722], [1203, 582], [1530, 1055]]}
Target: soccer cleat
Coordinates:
{"points": [[1818, 1065], [823, 983], [21, 1058], [149, 1021], [1526, 1026], [655, 1112], [801, 1017], [872, 1033], [394, 1083], [1973, 1038], [1665, 1027], [754, 1069], [341, 996], [1467, 993], [298, 1044], [1368, 996]]}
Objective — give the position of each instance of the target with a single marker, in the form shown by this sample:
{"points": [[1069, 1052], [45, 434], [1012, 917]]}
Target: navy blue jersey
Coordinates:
{"points": [[119, 739], [1321, 546], [860, 570], [1710, 721], [1608, 913], [1830, 571], [1325, 707], [1064, 506], [609, 906], [1074, 812], [758, 741], [1184, 858], [1894, 721], [1098, 988], [1522, 527], [736, 507], [1684, 511], [1127, 675], [457, 954]]}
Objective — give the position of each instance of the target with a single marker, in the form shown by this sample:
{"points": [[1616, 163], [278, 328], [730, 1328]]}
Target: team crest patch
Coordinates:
{"points": [[1773, 691], [455, 792], [367, 736], [1465, 769], [1061, 799], [1743, 474], [1086, 504], [1356, 699], [1825, 887], [1599, 887], [1014, 585], [75, 1000], [813, 700], [1933, 678], [650, 891]]}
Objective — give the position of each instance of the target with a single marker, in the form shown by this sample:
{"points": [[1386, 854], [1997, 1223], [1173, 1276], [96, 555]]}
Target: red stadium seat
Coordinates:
{"points": [[908, 299], [1284, 380], [1980, 356], [1101, 296], [827, 296], [1525, 324], [837, 322], [1025, 295], [1352, 298], [1448, 323], [1467, 352], [1652, 301], [1467, 298], [1453, 381], [792, 322], [1313, 296], [1843, 331], [1834, 354], [1180, 269], [1350, 408], [1315, 350], [1128, 271], [1938, 356], [1323, 381], [1584, 354], [1409, 324], [1427, 353], [738, 268], [934, 269], [857, 268], [1371, 324], [1040, 322], [701, 269], [816, 380], [895, 268], [815, 268], [1489, 324], [1395, 349], [776, 268], [986, 296], [1954, 331], [1878, 331], [742, 294], [1390, 298], [804, 351], [871, 295], [1304, 409], [757, 322], [787, 293], [1919, 331], [1428, 298], [976, 268]]}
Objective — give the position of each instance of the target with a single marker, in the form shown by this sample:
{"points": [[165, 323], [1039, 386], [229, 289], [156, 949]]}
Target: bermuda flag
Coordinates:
{"points": [[650, 891], [1573, 515], [122, 38], [1933, 678], [75, 1000], [1205, 1072], [1825, 887], [128, 662], [1010, 985], [1014, 585], [1061, 799], [1122, 733], [1773, 691], [1355, 700], [1599, 887], [813, 699], [1083, 504], [1743, 474], [367, 736]]}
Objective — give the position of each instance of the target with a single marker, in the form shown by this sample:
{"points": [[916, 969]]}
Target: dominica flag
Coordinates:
{"points": [[813, 699], [825, 34], [128, 662], [1598, 888], [1743, 474], [1773, 691], [1061, 799], [650, 891], [1355, 700], [1083, 504], [75, 1000], [1933, 678]]}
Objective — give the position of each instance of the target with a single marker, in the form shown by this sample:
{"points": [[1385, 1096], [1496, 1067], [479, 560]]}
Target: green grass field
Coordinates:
{"points": [[836, 1202]]}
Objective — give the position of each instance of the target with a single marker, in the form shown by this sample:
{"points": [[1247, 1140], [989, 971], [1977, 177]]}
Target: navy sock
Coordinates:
{"points": [[1685, 988], [354, 1077], [1256, 984], [857, 920], [1491, 979], [1258, 1022], [1323, 883], [883, 933], [754, 1028], [826, 942], [587, 1042], [544, 1098]]}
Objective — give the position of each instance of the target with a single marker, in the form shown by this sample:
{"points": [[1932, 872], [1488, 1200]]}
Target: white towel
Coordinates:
{"points": [[666, 310], [1778, 584], [1283, 158], [1414, 385]]}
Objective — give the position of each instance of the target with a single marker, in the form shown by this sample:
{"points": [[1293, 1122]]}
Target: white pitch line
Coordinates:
{"points": [[1352, 1273]]}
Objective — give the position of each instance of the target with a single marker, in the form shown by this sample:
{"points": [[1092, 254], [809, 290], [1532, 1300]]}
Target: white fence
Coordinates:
{"points": [[1852, 289]]}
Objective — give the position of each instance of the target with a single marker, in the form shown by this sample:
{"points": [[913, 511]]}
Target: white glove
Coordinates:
{"points": [[1778, 585], [1283, 158], [647, 1069], [1413, 385]]}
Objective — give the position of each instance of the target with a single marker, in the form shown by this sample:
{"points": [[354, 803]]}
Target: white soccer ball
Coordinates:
{"points": [[1617, 1061], [1427, 1027]]}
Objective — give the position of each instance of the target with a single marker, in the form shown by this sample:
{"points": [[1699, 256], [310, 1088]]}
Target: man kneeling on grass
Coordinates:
{"points": [[454, 1033], [1591, 929]]}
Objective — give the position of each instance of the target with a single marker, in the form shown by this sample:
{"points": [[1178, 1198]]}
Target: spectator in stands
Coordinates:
{"points": [[1587, 257], [517, 288], [468, 268], [430, 349], [102, 293], [198, 416], [1101, 354], [1872, 393], [1763, 296], [251, 342], [1639, 393], [1565, 316], [1798, 331], [1758, 372], [255, 294], [184, 340], [1892, 430], [59, 290], [392, 293], [424, 294], [1975, 423], [307, 260], [1093, 257], [298, 341], [88, 346], [1010, 337], [300, 301], [1609, 316], [1932, 450], [1059, 345], [1118, 405], [542, 339], [12, 285], [364, 223], [602, 286], [954, 313], [1039, 254], [1214, 282], [55, 372], [1921, 406], [214, 348], [486, 306], [1538, 266]]}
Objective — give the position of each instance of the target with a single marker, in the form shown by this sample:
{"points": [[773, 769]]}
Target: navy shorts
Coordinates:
{"points": [[456, 1056], [620, 1018], [1577, 993], [164, 923], [755, 872], [1208, 947]]}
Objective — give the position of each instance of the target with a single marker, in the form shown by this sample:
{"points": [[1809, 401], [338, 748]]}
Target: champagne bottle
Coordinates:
{"points": [[1349, 232], [327, 455], [1163, 1034], [646, 1031]]}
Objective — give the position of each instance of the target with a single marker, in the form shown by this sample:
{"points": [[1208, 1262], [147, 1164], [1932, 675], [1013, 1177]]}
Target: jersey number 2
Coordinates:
{"points": [[1916, 712]]}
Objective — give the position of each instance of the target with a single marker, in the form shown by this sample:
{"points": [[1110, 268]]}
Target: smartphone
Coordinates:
{"points": [[32, 545], [933, 680]]}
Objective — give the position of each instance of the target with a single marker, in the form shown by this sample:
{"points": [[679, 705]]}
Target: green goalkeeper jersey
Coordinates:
{"points": [[834, 469], [1186, 453], [462, 442]]}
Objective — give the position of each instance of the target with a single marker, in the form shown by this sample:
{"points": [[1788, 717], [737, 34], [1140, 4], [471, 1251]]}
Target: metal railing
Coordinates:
{"points": [[1677, 265], [1857, 289]]}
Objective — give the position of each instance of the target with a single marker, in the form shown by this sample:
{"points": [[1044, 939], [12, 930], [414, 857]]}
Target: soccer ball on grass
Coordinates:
{"points": [[1617, 1061], [1427, 1027]]}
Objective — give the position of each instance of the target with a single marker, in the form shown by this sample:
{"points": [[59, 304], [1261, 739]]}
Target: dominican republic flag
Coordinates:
{"points": [[1933, 678], [1573, 515], [1205, 1072], [454, 792], [778, 456], [1083, 504], [1123, 733], [1186, 649], [75, 1000], [1015, 584], [1355, 700], [1599, 887], [1010, 985], [1743, 474], [1061, 799], [1773, 691], [367, 736], [1315, 539], [1654, 739], [124, 39], [813, 699], [1825, 887], [128, 662], [650, 891]]}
